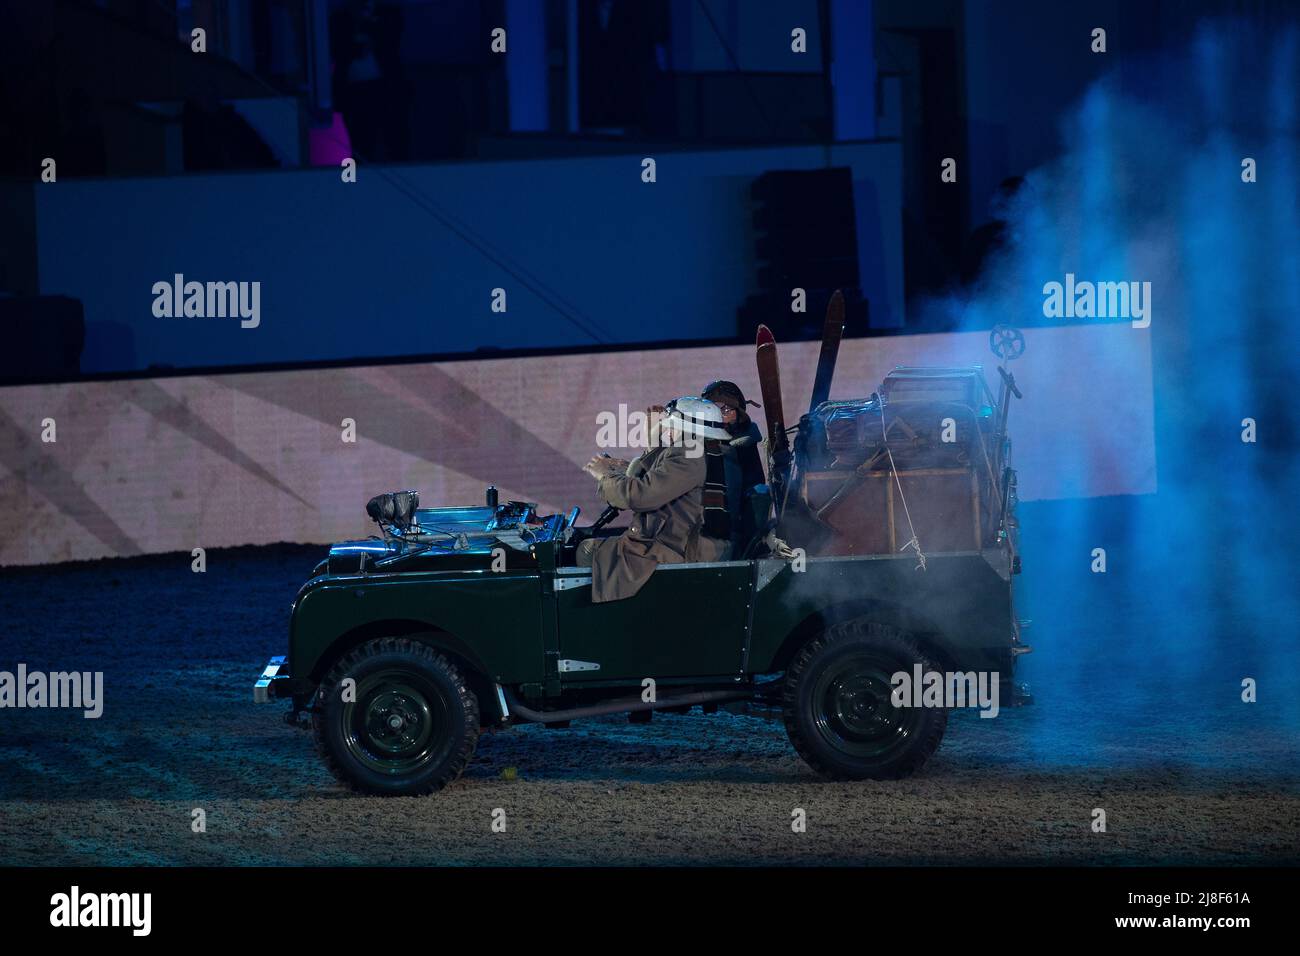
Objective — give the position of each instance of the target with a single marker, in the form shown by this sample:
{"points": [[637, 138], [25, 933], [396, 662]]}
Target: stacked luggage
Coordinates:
{"points": [[916, 459]]}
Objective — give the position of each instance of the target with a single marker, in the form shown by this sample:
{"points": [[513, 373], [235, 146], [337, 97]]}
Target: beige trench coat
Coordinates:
{"points": [[663, 489]]}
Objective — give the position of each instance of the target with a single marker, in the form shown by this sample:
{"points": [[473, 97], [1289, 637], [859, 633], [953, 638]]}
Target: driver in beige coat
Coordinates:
{"points": [[663, 488]]}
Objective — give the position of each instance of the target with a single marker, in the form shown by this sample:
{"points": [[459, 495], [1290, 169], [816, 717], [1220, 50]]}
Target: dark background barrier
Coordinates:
{"points": [[521, 170]]}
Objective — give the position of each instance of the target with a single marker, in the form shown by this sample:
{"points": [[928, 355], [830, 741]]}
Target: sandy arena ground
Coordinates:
{"points": [[1205, 783]]}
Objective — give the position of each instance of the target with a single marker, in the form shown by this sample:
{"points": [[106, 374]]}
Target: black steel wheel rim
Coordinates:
{"points": [[399, 722], [852, 710]]}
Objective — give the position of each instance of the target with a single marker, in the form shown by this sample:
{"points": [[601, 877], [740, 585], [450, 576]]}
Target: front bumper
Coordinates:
{"points": [[273, 682]]}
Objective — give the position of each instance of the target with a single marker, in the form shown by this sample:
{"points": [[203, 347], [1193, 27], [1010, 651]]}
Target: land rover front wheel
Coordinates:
{"points": [[838, 709], [394, 718]]}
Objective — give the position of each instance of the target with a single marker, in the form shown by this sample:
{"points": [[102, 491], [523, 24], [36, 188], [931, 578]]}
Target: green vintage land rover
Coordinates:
{"points": [[403, 647], [894, 549]]}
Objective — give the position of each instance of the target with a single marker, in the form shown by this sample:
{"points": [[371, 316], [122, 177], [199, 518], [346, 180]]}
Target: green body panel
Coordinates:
{"points": [[491, 619], [960, 604], [705, 622], [687, 621]]}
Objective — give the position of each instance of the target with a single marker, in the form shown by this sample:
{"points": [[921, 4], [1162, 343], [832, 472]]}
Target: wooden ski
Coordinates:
{"points": [[832, 332], [769, 380]]}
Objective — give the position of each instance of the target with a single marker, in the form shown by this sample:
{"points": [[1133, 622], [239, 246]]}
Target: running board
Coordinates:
{"points": [[620, 707]]}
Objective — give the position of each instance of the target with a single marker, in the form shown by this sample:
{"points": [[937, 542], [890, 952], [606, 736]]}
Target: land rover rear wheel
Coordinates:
{"points": [[405, 726], [837, 707]]}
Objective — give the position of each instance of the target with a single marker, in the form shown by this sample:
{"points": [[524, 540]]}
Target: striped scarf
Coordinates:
{"points": [[717, 519]]}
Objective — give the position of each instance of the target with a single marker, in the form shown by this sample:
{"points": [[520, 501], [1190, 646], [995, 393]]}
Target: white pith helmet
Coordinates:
{"points": [[695, 416]]}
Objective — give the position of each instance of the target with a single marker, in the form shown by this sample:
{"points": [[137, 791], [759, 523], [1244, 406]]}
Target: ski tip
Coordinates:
{"points": [[835, 308], [765, 336]]}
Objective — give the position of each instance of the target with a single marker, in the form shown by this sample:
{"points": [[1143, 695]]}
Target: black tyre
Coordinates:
{"points": [[837, 707], [408, 728]]}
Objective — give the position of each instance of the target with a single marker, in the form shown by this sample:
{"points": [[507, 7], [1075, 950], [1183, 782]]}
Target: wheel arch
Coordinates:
{"points": [[470, 665], [924, 630]]}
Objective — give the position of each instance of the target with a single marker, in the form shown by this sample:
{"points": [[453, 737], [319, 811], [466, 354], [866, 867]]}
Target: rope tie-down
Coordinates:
{"points": [[914, 543]]}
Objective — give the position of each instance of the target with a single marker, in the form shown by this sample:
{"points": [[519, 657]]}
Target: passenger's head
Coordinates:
{"points": [[689, 419], [730, 399]]}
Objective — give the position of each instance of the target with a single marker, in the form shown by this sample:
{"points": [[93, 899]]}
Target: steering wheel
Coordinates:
{"points": [[589, 531], [606, 516]]}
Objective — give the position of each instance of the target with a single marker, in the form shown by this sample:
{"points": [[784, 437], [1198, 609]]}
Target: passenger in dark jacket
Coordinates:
{"points": [[743, 462]]}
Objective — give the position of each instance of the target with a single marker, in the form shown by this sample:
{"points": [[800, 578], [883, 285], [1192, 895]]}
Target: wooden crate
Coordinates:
{"points": [[868, 515]]}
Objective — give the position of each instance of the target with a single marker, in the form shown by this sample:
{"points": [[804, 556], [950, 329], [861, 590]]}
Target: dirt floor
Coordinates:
{"points": [[1209, 782]]}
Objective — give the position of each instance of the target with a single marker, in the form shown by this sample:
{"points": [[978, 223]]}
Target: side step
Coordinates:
{"points": [[630, 705]]}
